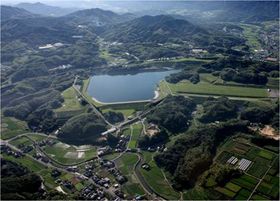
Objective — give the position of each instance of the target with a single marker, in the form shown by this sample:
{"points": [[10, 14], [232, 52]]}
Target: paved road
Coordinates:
{"points": [[25, 134], [142, 180]]}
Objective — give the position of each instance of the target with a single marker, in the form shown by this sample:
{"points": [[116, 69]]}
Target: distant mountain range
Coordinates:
{"points": [[159, 29], [8, 12], [97, 17], [46, 10], [17, 23]]}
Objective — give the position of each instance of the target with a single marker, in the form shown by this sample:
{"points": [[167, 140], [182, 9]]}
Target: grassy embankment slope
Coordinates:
{"points": [[213, 86]]}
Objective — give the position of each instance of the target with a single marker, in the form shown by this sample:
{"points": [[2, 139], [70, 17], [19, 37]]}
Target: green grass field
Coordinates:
{"points": [[226, 192], [233, 187], [67, 154], [126, 109], [126, 165], [196, 193], [11, 127], [21, 141], [136, 131], [71, 102], [204, 88], [266, 154], [110, 156], [155, 178], [126, 112], [273, 83]]}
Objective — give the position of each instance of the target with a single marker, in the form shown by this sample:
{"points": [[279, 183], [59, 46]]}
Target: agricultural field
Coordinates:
{"points": [[11, 127], [126, 131], [156, 179], [204, 88], [68, 154], [136, 132], [126, 165], [273, 83], [197, 193], [259, 181]]}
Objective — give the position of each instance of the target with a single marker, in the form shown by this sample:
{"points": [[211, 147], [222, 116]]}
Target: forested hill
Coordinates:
{"points": [[97, 17], [9, 12], [159, 28]]}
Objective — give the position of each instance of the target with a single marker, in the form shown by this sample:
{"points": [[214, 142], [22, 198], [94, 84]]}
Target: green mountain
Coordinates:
{"points": [[37, 31], [97, 17], [158, 29], [9, 12]]}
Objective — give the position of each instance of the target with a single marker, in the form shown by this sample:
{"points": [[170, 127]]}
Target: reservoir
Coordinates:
{"points": [[125, 88]]}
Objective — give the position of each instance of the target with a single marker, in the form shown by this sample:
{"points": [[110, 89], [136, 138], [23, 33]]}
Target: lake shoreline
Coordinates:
{"points": [[111, 90], [157, 94]]}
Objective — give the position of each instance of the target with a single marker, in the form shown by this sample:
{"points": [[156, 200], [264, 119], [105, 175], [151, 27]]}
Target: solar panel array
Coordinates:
{"points": [[244, 164], [232, 160]]}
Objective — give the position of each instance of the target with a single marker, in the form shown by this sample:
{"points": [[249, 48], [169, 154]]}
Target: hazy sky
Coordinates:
{"points": [[93, 3]]}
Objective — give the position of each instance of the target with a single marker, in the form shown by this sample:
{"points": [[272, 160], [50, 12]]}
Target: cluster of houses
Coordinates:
{"points": [[88, 169], [118, 176], [25, 148], [92, 193], [104, 182], [110, 166], [65, 183], [122, 144], [104, 150], [41, 157], [45, 142], [7, 150]]}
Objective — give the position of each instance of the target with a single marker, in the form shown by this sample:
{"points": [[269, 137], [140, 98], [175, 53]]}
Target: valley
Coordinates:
{"points": [[100, 105]]}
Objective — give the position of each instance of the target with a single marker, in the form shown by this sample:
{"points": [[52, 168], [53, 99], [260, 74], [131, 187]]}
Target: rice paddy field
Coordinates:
{"points": [[156, 179], [260, 181]]}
